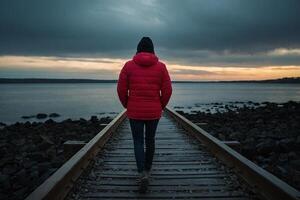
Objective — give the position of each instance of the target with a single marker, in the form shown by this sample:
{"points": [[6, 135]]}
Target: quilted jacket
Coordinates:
{"points": [[144, 87]]}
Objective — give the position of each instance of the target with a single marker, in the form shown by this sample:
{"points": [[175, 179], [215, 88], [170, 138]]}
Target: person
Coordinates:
{"points": [[144, 88]]}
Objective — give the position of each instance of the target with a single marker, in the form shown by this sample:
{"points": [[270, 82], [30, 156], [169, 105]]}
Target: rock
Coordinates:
{"points": [[8, 158], [4, 196], [94, 119], [295, 164], [46, 139], [234, 135], [268, 132], [56, 162], [292, 155], [27, 164], [260, 159], [221, 137], [37, 139], [69, 120], [9, 169], [82, 120], [2, 124], [29, 148], [41, 116], [34, 174], [259, 121], [19, 142], [38, 156], [43, 146], [283, 157], [21, 193], [31, 152], [49, 122], [281, 170], [22, 177], [51, 153], [70, 134], [4, 181], [265, 147], [54, 115], [298, 140], [27, 116], [27, 124], [43, 167], [180, 112], [286, 144]]}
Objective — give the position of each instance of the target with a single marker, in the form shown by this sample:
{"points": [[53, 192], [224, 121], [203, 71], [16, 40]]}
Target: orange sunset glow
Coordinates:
{"points": [[109, 68]]}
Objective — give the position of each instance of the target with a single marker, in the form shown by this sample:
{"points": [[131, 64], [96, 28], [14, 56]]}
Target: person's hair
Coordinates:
{"points": [[145, 45]]}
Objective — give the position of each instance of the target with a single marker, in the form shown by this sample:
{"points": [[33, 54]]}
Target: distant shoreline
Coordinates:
{"points": [[295, 80]]}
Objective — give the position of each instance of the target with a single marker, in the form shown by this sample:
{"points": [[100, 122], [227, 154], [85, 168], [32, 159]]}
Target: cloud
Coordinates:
{"points": [[284, 52], [228, 58], [58, 64], [227, 33], [190, 72]]}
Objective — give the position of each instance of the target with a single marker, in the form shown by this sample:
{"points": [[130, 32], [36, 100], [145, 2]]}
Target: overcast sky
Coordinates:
{"points": [[199, 40]]}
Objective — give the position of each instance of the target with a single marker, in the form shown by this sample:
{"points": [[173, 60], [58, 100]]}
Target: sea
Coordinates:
{"points": [[83, 100]]}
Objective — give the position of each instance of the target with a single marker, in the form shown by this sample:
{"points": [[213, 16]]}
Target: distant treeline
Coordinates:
{"points": [[51, 80], [281, 80]]}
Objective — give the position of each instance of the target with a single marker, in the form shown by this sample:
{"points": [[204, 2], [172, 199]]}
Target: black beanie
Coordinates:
{"points": [[145, 45]]}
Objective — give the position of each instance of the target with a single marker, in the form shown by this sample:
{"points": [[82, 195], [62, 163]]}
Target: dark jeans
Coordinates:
{"points": [[143, 159]]}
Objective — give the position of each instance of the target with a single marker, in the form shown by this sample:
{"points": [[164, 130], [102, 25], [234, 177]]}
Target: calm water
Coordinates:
{"points": [[83, 100]]}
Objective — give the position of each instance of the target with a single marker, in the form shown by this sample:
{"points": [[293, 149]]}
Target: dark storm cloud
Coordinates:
{"points": [[190, 32]]}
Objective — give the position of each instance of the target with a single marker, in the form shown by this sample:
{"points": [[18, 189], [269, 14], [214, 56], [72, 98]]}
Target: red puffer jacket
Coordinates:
{"points": [[149, 86]]}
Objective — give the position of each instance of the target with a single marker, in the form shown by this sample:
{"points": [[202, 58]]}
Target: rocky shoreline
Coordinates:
{"points": [[31, 152], [269, 133]]}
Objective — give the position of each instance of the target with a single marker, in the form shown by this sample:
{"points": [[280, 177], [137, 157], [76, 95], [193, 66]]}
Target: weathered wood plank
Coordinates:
{"points": [[160, 188], [166, 176], [175, 194], [178, 167], [160, 182], [164, 163], [182, 168]]}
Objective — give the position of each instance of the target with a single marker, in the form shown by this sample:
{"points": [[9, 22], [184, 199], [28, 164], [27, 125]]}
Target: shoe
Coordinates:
{"points": [[144, 182], [147, 173], [140, 176]]}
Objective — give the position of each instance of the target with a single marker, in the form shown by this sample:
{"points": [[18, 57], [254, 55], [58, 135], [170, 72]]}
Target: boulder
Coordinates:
{"points": [[43, 167], [27, 116], [22, 177], [37, 156], [54, 115], [2, 124], [41, 116], [265, 147], [94, 119], [286, 144], [4, 181], [10, 169], [49, 122]]}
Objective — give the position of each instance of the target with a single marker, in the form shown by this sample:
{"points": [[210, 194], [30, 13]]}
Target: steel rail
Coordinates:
{"points": [[60, 183], [265, 183]]}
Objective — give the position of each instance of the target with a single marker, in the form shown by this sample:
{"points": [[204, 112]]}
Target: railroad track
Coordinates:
{"points": [[188, 163]]}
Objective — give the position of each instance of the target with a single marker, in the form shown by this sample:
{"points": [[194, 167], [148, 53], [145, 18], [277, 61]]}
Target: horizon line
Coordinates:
{"points": [[87, 80]]}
